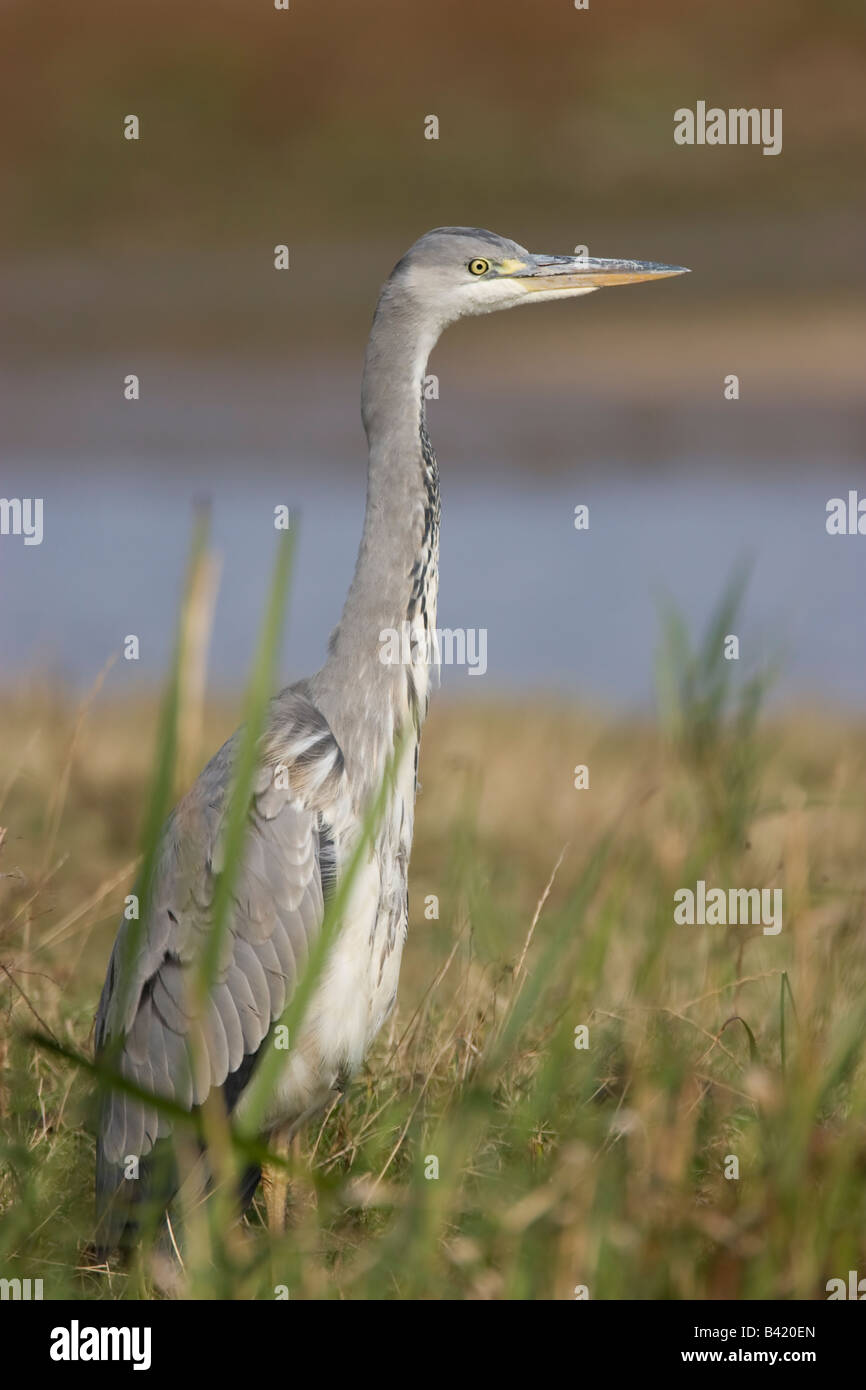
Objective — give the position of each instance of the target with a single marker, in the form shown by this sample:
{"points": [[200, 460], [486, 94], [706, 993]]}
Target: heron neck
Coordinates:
{"points": [[367, 699]]}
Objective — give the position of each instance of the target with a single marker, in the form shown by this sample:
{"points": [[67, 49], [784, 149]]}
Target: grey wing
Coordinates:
{"points": [[277, 908]]}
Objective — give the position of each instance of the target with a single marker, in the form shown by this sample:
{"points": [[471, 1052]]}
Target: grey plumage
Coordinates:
{"points": [[277, 908], [324, 753]]}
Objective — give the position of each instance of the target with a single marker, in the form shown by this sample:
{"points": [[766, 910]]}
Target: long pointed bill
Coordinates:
{"points": [[570, 274]]}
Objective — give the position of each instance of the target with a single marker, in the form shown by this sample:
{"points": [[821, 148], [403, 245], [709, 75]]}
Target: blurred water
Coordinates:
{"points": [[566, 611]]}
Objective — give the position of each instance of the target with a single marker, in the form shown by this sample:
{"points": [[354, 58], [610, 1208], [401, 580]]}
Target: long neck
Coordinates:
{"points": [[367, 699]]}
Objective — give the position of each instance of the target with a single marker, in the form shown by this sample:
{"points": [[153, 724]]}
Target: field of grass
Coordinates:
{"points": [[536, 909]]}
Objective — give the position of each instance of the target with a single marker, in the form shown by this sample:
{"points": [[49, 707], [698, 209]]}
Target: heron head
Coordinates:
{"points": [[453, 272]]}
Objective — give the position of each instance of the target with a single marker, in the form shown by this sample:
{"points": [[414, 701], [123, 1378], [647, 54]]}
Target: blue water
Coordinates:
{"points": [[565, 611]]}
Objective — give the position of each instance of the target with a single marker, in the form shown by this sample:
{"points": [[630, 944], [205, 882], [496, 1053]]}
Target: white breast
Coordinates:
{"points": [[358, 987]]}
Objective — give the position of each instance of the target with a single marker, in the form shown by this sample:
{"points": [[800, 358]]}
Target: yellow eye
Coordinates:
{"points": [[478, 267]]}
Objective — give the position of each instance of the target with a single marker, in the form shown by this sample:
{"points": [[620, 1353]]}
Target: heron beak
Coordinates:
{"points": [[575, 273]]}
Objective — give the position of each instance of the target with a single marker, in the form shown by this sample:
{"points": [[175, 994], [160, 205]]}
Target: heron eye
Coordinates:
{"points": [[478, 267]]}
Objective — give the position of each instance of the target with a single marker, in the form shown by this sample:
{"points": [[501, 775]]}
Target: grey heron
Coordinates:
{"points": [[332, 736]]}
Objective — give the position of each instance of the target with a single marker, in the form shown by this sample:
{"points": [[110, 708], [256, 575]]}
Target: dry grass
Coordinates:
{"points": [[558, 1167]]}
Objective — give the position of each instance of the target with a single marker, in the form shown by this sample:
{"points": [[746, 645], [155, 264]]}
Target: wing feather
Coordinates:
{"points": [[276, 913]]}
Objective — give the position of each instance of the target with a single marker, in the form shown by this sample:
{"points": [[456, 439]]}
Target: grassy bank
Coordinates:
{"points": [[558, 1165]]}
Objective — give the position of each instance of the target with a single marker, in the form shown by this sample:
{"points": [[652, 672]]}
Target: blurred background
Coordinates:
{"points": [[306, 127]]}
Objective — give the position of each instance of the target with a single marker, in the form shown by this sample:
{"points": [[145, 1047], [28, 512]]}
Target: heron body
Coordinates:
{"points": [[323, 757]]}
